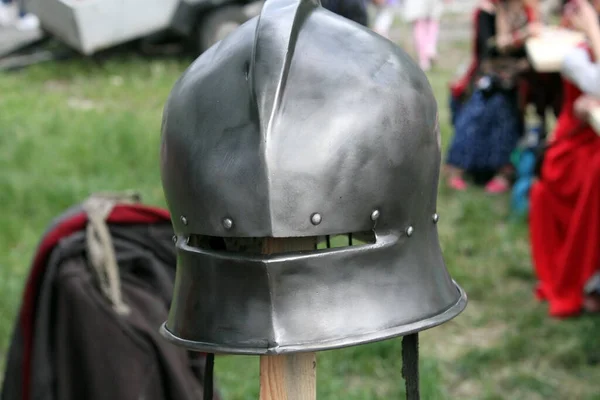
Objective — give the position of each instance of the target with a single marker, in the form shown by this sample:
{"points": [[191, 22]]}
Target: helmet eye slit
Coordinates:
{"points": [[346, 240], [259, 245]]}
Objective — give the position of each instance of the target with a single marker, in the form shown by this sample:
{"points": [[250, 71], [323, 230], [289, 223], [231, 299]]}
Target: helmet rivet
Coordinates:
{"points": [[183, 220], [315, 219], [409, 231], [227, 223], [435, 218], [375, 215], [174, 239]]}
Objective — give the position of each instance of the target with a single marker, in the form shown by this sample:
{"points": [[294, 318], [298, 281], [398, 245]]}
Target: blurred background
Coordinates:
{"points": [[81, 102]]}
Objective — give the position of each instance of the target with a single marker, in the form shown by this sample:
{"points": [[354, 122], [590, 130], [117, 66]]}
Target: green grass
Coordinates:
{"points": [[70, 129]]}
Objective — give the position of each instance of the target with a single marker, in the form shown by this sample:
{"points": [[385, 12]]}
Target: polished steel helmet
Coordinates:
{"points": [[303, 124]]}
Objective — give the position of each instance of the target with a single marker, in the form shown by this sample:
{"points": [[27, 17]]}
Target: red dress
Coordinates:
{"points": [[565, 212]]}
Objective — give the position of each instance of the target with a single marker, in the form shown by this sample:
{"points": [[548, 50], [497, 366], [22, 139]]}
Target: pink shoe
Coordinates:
{"points": [[497, 186], [457, 183]]}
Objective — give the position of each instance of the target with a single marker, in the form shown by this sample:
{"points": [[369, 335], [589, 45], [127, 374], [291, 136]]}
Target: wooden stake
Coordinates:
{"points": [[288, 377], [293, 376]]}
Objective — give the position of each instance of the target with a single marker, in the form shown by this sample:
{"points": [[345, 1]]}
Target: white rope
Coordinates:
{"points": [[100, 249]]}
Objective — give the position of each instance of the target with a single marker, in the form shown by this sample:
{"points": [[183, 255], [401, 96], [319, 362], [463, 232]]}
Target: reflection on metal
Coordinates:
{"points": [[262, 129]]}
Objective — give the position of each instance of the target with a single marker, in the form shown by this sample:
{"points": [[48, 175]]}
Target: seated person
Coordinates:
{"points": [[489, 123], [483, 30], [565, 201]]}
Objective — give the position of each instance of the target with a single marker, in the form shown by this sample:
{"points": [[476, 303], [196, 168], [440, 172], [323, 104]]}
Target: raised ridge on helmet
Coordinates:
{"points": [[330, 119], [275, 39]]}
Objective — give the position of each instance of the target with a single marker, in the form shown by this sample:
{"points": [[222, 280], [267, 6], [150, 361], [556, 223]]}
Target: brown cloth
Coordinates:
{"points": [[85, 347]]}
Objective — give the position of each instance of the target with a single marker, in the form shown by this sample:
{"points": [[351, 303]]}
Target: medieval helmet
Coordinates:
{"points": [[303, 124]]}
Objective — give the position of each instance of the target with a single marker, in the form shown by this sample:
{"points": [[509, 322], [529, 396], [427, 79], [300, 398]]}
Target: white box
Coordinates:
{"points": [[547, 51], [93, 25]]}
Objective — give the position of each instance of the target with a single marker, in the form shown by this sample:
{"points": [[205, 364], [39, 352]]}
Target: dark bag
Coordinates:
{"points": [[99, 288], [497, 75], [540, 152]]}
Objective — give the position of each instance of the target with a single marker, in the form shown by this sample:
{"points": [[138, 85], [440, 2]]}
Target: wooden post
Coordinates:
{"points": [[288, 377], [293, 376]]}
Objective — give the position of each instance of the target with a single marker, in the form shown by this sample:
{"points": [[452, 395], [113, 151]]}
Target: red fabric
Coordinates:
{"points": [[458, 87], [565, 212], [126, 214], [532, 14]]}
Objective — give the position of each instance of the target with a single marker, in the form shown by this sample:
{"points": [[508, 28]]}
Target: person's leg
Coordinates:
{"points": [[456, 179], [420, 42], [433, 30], [505, 132], [500, 183], [383, 21]]}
